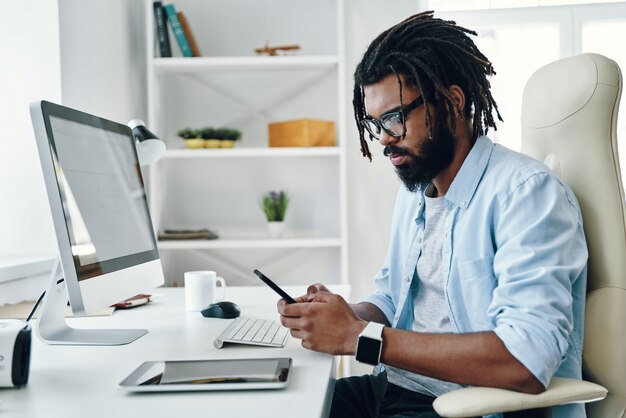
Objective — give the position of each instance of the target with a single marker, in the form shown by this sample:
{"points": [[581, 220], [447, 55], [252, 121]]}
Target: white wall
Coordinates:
{"points": [[84, 54], [103, 57], [30, 70]]}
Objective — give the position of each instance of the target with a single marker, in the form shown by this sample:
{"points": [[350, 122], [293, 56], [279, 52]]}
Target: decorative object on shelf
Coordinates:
{"points": [[192, 138], [186, 234], [220, 137], [149, 147], [302, 133], [274, 50], [275, 206]]}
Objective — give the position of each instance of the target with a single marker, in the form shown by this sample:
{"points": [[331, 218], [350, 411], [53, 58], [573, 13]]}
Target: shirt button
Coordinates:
{"points": [[419, 239], [408, 279]]}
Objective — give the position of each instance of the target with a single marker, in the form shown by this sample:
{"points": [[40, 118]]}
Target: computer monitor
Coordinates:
{"points": [[107, 247]]}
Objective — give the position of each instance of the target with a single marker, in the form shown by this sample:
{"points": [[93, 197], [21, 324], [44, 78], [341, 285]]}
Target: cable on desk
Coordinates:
{"points": [[32, 312]]}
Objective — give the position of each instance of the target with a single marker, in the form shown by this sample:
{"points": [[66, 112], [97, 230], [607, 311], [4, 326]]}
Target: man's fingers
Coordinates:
{"points": [[313, 289], [324, 296]]}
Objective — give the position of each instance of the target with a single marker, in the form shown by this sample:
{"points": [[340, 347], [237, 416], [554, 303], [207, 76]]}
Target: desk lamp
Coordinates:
{"points": [[149, 147]]}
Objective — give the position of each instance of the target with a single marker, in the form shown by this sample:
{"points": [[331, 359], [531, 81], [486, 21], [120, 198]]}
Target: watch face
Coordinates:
{"points": [[368, 350]]}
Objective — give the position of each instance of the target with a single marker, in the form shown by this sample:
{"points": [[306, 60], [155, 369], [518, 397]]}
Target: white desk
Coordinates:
{"points": [[74, 381]]}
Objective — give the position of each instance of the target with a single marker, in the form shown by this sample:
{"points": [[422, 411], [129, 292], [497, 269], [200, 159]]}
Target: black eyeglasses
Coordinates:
{"points": [[392, 122]]}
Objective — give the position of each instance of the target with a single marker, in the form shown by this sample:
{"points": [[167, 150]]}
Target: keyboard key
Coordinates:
{"points": [[270, 334], [280, 336], [253, 330], [262, 332], [234, 327], [242, 330]]}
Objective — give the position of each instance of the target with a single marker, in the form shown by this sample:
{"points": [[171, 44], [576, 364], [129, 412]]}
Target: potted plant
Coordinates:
{"points": [[229, 137], [191, 137], [211, 137], [275, 206]]}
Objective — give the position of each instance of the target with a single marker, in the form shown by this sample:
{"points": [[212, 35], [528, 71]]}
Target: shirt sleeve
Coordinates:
{"points": [[541, 254]]}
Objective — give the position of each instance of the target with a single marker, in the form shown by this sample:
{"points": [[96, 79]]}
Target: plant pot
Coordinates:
{"points": [[212, 143], [194, 143], [227, 143], [276, 229]]}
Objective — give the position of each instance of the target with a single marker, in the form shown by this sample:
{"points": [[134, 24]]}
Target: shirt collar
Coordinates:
{"points": [[466, 180]]}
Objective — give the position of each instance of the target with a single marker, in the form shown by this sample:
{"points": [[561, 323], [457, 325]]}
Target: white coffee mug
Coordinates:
{"points": [[201, 289]]}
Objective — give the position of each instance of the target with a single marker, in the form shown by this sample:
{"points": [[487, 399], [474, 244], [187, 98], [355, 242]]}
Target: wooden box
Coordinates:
{"points": [[302, 133]]}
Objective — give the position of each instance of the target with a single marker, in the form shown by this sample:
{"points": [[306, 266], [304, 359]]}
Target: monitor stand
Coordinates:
{"points": [[53, 329]]}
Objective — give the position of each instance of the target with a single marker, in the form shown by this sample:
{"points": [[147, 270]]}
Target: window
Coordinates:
{"points": [[520, 40]]}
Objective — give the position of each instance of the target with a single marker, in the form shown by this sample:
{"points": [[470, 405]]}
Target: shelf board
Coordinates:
{"points": [[252, 152], [178, 65], [249, 243]]}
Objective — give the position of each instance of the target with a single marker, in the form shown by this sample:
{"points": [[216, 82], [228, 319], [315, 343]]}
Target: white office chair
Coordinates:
{"points": [[569, 118]]}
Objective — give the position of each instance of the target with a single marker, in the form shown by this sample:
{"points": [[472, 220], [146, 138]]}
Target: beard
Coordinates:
{"points": [[435, 155]]}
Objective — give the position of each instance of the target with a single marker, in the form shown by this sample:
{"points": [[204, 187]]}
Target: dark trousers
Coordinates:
{"points": [[374, 396]]}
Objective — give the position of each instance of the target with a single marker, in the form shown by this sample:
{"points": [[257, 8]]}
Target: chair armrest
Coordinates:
{"points": [[478, 401]]}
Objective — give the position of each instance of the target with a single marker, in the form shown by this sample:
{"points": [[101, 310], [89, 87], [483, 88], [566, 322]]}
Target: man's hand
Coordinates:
{"points": [[323, 321], [310, 294]]}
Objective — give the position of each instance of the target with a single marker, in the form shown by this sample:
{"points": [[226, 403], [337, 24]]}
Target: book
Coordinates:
{"points": [[185, 234], [190, 38], [179, 33], [161, 30]]}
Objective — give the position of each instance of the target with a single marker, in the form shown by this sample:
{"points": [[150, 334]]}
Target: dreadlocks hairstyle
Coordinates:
{"points": [[431, 54]]}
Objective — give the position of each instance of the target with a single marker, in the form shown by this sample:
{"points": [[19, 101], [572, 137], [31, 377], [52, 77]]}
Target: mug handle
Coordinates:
{"points": [[223, 287]]}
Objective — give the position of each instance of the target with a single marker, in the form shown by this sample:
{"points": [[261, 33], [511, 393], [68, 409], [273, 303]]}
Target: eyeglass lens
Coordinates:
{"points": [[392, 122]]}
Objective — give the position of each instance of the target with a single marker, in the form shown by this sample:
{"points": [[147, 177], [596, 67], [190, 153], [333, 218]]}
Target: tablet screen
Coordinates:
{"points": [[193, 374]]}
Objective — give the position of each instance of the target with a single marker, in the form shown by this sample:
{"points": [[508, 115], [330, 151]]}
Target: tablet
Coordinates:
{"points": [[202, 375]]}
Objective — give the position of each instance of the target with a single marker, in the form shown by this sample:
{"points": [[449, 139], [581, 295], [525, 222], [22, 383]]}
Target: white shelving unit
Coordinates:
{"points": [[221, 189]]}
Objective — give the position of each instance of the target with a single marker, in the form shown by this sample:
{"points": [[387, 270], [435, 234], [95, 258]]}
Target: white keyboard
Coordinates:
{"points": [[244, 330]]}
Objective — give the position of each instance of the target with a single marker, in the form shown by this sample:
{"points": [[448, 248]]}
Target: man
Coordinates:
{"points": [[485, 276]]}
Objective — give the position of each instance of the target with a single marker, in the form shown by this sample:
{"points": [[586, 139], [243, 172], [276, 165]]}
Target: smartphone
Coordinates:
{"points": [[274, 286]]}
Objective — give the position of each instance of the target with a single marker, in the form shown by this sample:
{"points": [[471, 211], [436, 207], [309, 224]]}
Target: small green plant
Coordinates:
{"points": [[275, 205], [232, 134], [188, 133], [208, 133], [219, 133]]}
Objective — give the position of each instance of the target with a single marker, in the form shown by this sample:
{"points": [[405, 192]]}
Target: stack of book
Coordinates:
{"points": [[182, 234], [179, 27]]}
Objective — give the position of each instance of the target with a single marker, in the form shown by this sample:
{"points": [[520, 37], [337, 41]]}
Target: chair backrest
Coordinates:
{"points": [[569, 118]]}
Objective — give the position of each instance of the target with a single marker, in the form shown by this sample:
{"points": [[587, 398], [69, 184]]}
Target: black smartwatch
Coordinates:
{"points": [[370, 344]]}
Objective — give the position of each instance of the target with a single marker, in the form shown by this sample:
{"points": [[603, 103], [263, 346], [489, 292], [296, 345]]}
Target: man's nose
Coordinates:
{"points": [[386, 139]]}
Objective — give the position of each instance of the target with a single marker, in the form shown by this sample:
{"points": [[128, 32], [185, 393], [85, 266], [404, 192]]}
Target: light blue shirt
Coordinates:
{"points": [[514, 261]]}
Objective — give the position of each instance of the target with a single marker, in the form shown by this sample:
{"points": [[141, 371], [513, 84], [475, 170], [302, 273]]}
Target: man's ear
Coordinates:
{"points": [[458, 98]]}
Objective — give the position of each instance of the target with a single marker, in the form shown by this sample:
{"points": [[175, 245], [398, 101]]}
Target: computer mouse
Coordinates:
{"points": [[223, 309]]}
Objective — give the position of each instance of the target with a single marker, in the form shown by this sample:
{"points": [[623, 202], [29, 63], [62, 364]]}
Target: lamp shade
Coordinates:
{"points": [[149, 147]]}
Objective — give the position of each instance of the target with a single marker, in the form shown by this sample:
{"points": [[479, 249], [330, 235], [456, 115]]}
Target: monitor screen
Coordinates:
{"points": [[103, 197], [107, 246]]}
